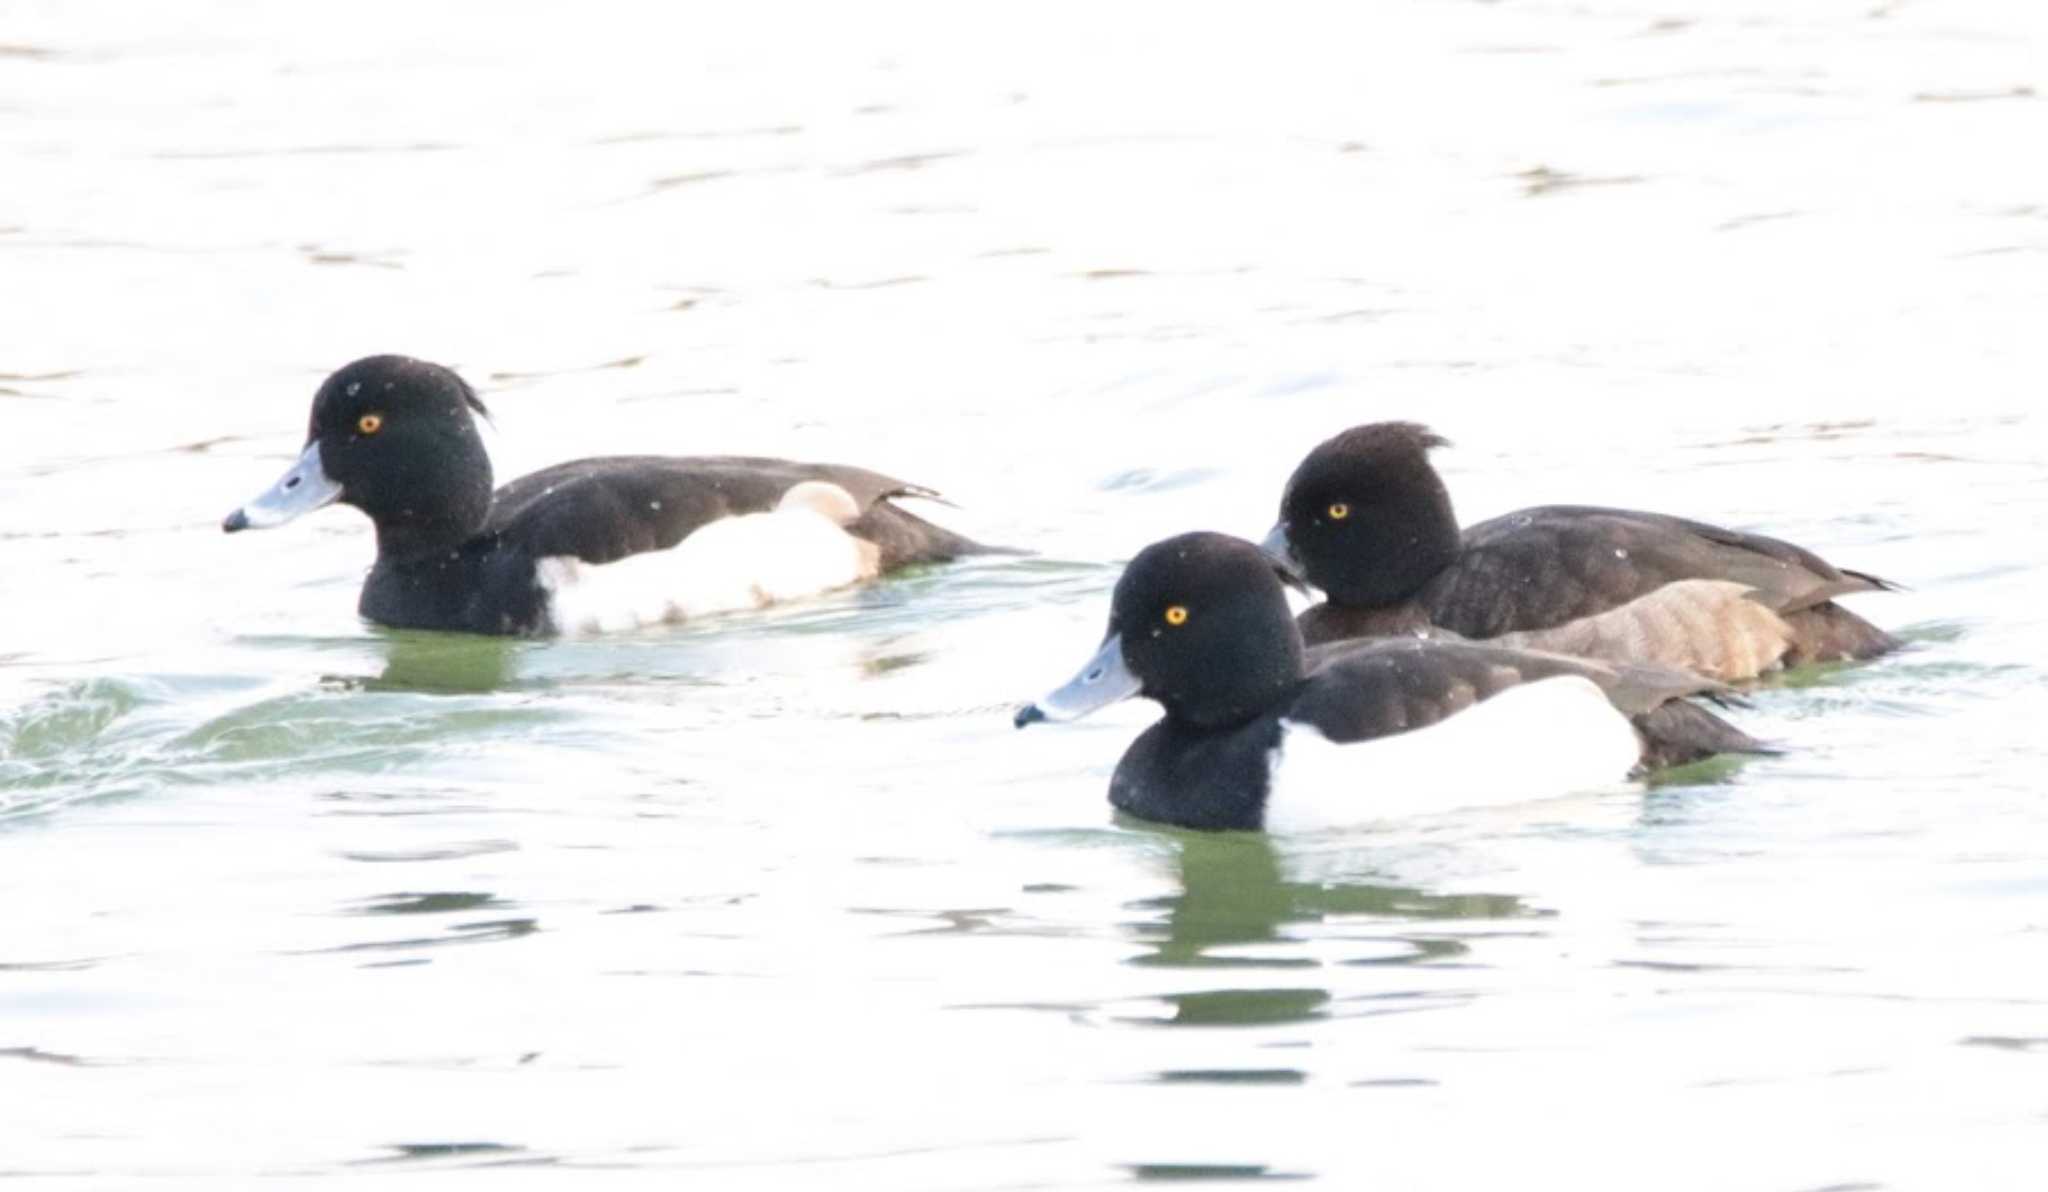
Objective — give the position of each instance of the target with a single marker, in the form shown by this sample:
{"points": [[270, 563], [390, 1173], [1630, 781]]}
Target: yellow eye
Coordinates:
{"points": [[1339, 511], [370, 424], [1177, 615]]}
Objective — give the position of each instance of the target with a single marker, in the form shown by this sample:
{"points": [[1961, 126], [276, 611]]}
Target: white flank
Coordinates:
{"points": [[1535, 741], [732, 564]]}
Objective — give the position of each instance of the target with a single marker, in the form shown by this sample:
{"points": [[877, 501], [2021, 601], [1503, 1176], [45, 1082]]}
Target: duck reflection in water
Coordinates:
{"points": [[434, 663], [1235, 909], [416, 660]]}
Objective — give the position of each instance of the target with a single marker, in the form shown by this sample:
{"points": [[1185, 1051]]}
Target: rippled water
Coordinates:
{"points": [[781, 900]]}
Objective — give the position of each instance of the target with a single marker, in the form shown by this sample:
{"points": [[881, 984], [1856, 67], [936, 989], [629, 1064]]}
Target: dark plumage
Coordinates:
{"points": [[600, 510], [1367, 519], [1199, 624], [397, 438]]}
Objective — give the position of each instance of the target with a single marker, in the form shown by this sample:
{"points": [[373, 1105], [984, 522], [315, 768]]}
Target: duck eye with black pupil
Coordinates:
{"points": [[370, 424], [1339, 511], [1177, 615]]}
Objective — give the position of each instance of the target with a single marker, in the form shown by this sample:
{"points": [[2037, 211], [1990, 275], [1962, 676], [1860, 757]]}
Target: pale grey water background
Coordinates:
{"points": [[782, 901]]}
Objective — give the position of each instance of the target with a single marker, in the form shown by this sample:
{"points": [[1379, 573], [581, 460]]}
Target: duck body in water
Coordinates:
{"points": [[1261, 733], [1367, 519], [588, 545]]}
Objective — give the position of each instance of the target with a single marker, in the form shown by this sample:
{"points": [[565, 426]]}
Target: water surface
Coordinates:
{"points": [[781, 900]]}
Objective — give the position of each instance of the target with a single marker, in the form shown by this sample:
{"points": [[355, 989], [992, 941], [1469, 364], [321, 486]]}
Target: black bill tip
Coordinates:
{"points": [[237, 520], [1291, 578], [1028, 715], [1280, 553]]}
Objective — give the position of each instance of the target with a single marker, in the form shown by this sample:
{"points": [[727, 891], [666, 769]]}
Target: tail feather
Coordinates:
{"points": [[920, 492], [1877, 582], [1680, 731], [1831, 633], [903, 538]]}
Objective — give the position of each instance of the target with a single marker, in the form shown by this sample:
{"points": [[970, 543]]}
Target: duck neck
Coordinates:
{"points": [[435, 511], [1240, 688], [1406, 550]]}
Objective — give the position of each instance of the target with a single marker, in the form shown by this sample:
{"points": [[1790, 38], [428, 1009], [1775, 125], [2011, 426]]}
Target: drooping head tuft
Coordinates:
{"points": [[1365, 516], [400, 437], [1206, 628]]}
